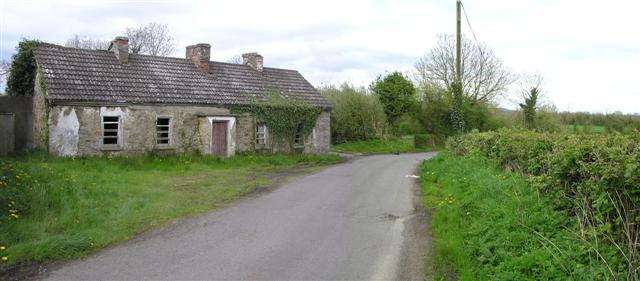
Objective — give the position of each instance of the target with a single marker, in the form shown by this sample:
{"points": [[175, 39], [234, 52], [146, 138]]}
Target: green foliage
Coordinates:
{"points": [[596, 180], [355, 115], [427, 141], [57, 208], [490, 225], [457, 110], [436, 111], [284, 116], [410, 125], [390, 144], [529, 108], [22, 71], [397, 95]]}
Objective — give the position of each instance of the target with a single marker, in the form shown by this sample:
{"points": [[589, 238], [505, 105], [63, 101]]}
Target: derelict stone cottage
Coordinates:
{"points": [[92, 102]]}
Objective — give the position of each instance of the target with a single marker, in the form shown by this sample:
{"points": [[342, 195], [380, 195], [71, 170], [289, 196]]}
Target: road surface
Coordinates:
{"points": [[354, 221]]}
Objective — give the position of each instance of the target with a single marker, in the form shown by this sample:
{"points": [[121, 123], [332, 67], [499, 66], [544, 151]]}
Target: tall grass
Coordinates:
{"points": [[493, 225], [55, 208], [594, 179]]}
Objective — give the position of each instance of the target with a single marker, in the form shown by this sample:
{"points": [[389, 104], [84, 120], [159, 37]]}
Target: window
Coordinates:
{"points": [[261, 134], [110, 129], [162, 130], [297, 138]]}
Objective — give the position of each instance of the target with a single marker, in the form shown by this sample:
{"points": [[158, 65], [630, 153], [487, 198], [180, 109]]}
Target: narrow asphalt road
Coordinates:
{"points": [[349, 221]]}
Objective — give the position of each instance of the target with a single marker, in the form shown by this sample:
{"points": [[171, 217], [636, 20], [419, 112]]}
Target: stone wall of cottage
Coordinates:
{"points": [[40, 112], [77, 130], [320, 139]]}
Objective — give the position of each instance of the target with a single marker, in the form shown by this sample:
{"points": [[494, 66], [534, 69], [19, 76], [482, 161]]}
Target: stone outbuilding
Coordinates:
{"points": [[94, 102]]}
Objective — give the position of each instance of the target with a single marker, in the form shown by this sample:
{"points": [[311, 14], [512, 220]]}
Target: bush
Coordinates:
{"points": [[356, 115], [492, 225], [410, 126], [426, 141], [596, 180]]}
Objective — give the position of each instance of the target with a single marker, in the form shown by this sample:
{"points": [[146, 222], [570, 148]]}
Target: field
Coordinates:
{"points": [[59, 208]]}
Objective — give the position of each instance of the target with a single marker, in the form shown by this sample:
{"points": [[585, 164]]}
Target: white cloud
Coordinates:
{"points": [[588, 51]]}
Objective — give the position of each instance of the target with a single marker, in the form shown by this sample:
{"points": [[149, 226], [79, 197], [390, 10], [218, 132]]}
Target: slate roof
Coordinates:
{"points": [[96, 76]]}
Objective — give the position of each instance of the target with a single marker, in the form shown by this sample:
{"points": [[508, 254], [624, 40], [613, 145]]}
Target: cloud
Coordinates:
{"points": [[588, 51]]}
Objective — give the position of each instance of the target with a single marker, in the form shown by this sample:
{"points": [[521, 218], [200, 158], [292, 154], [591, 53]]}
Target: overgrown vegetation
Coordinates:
{"points": [[595, 181], [22, 71], [397, 96], [493, 225], [356, 114], [285, 117], [58, 208], [390, 144]]}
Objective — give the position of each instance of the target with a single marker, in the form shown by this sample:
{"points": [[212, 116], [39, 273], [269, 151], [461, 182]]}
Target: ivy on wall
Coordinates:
{"points": [[43, 93], [284, 116]]}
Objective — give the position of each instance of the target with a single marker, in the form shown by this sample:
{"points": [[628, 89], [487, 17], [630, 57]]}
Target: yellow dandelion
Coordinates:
{"points": [[5, 258], [2, 248]]}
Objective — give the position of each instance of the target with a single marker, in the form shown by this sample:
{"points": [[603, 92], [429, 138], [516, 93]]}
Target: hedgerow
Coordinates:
{"points": [[595, 179]]}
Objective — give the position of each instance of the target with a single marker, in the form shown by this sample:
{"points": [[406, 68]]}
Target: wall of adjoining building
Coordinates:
{"points": [[20, 131]]}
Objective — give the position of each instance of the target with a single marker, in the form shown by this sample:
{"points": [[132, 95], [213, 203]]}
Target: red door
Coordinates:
{"points": [[219, 139]]}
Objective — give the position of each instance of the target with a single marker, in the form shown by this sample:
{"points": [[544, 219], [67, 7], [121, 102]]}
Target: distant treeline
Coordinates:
{"points": [[358, 114]]}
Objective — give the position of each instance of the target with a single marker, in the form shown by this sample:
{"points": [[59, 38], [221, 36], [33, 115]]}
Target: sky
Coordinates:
{"points": [[587, 51]]}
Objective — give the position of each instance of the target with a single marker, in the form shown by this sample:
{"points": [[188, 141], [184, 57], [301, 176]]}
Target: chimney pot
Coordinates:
{"points": [[120, 46], [254, 60], [200, 55]]}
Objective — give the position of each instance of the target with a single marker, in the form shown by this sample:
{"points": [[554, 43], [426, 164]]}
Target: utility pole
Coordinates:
{"points": [[458, 41]]}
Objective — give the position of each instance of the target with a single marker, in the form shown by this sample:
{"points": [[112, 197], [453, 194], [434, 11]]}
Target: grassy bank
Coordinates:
{"points": [[492, 225], [65, 208], [403, 144]]}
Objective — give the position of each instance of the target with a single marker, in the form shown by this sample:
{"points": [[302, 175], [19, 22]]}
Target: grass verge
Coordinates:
{"points": [[491, 225], [380, 146], [60, 208]]}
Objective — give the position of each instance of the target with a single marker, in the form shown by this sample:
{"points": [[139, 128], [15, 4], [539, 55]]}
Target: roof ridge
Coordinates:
{"points": [[86, 75]]}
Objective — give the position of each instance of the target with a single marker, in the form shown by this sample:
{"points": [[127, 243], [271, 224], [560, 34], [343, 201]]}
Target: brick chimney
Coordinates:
{"points": [[200, 54], [254, 60], [120, 46]]}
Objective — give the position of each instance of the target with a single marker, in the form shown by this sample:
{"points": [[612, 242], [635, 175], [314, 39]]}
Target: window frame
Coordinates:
{"points": [[298, 139], [117, 131], [169, 131], [264, 135]]}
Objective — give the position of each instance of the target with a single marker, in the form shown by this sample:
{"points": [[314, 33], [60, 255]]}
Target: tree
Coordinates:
{"points": [[22, 71], [484, 77], [86, 43], [151, 39], [237, 59], [530, 89], [397, 95], [4, 70]]}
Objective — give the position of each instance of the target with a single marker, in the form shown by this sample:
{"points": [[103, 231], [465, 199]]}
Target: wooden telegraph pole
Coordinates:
{"points": [[458, 37]]}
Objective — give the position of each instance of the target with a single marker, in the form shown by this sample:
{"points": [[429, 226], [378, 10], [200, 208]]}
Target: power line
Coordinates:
{"points": [[469, 24]]}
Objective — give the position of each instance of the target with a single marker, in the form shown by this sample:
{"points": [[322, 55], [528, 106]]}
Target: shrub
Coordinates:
{"points": [[595, 179], [425, 141], [356, 115]]}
